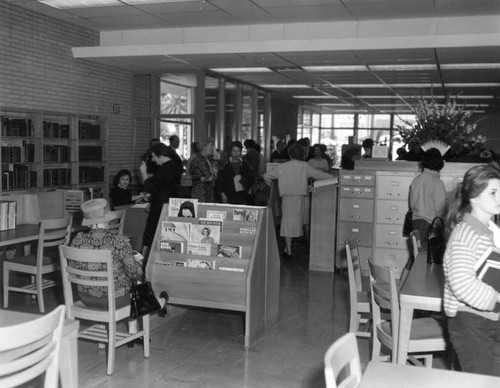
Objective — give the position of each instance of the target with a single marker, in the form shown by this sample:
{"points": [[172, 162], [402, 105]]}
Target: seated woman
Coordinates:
{"points": [[126, 269], [120, 194], [235, 179]]}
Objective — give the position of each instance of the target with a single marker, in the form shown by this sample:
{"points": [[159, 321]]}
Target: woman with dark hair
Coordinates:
{"points": [[235, 179], [120, 194], [162, 185], [187, 210], [292, 179], [318, 161], [427, 193], [471, 306]]}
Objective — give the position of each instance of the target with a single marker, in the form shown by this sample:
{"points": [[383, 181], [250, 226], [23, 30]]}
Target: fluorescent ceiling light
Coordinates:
{"points": [[336, 68], [315, 97], [437, 97], [333, 104], [62, 4], [242, 70], [298, 86], [423, 85], [469, 66]]}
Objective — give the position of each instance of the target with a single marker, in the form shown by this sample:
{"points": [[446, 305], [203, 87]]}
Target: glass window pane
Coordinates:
{"points": [[315, 119], [334, 139], [404, 120], [181, 128], [176, 94], [374, 121], [326, 121], [343, 121]]}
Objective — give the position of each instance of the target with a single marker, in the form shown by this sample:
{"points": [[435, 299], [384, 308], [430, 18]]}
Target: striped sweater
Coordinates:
{"points": [[463, 291]]}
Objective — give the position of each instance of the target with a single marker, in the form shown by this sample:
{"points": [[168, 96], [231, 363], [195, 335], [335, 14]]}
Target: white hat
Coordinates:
{"points": [[96, 211]]}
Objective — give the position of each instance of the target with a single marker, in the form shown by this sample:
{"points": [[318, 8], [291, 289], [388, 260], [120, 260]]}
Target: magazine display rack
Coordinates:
{"points": [[249, 284]]}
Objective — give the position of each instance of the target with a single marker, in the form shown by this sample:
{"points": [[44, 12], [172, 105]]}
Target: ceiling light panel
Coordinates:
{"points": [[65, 4]]}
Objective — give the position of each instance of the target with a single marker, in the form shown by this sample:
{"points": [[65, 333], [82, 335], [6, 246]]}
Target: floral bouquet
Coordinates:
{"points": [[447, 123]]}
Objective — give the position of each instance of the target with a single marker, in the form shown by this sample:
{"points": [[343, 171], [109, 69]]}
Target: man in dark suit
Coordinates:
{"points": [[174, 144]]}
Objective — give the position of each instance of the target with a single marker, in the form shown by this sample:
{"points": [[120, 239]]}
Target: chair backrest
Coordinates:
{"points": [[31, 348], [53, 232], [415, 243], [353, 265], [384, 295], [89, 267], [343, 355], [116, 226]]}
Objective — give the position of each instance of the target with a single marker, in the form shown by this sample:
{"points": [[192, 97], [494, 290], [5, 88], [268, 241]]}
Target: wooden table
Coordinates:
{"points": [[68, 359], [422, 290], [387, 375], [22, 233]]}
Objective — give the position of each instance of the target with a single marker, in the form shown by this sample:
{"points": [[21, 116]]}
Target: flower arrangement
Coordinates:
{"points": [[447, 123]]}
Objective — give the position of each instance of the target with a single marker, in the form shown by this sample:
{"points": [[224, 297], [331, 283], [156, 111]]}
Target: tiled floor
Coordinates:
{"points": [[204, 348]]}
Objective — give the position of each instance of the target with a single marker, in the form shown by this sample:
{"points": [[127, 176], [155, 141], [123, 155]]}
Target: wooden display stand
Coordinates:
{"points": [[253, 291], [323, 227]]}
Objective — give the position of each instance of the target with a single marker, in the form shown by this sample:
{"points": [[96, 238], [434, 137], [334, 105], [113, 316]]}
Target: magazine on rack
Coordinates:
{"points": [[196, 248], [233, 251], [488, 267], [172, 246], [175, 231], [245, 215], [183, 207], [208, 234]]}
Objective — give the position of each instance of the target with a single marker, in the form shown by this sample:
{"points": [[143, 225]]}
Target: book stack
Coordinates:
{"points": [[488, 267], [8, 213]]}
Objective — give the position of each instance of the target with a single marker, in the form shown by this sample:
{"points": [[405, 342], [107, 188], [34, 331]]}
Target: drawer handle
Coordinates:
{"points": [[394, 183], [355, 230], [392, 232], [394, 208], [355, 206]]}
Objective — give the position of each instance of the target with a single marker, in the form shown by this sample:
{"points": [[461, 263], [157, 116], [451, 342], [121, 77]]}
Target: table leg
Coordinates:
{"points": [[68, 357], [405, 321]]}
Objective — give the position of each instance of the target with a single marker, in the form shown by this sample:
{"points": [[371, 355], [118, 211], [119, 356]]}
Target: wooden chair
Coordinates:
{"points": [[53, 232], [343, 355], [29, 349], [426, 333], [415, 243], [100, 333], [116, 226], [359, 299]]}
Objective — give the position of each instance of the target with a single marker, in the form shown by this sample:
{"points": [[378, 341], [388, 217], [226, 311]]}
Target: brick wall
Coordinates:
{"points": [[38, 71]]}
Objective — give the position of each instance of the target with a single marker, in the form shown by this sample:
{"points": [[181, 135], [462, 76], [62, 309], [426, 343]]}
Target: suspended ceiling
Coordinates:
{"points": [[339, 55]]}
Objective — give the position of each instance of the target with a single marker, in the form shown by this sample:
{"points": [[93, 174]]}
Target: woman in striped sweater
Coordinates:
{"points": [[471, 305]]}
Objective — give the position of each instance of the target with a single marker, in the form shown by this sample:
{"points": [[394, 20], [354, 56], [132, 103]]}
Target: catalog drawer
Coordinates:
{"points": [[353, 209], [394, 259], [393, 186], [357, 191], [391, 212], [390, 236], [357, 179], [362, 232]]}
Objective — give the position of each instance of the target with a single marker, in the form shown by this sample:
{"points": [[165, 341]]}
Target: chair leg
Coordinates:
{"points": [[354, 320], [428, 360], [39, 293], [376, 346], [5, 287], [145, 328], [111, 346]]}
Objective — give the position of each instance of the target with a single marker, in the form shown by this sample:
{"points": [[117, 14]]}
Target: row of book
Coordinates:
{"points": [[8, 212], [87, 130], [17, 127], [90, 153], [56, 177], [88, 174], [56, 154], [55, 130], [24, 154], [18, 176]]}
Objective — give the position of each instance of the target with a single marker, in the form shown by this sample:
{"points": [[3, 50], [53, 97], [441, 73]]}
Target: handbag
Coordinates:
{"points": [[408, 224], [142, 300], [436, 244]]}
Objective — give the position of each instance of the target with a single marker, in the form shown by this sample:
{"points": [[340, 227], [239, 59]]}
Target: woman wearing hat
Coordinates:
{"points": [[126, 269]]}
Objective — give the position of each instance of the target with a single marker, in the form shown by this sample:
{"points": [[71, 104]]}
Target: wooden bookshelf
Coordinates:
{"points": [[50, 150], [254, 291]]}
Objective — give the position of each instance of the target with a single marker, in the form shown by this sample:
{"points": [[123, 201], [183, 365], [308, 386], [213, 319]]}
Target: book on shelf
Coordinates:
{"points": [[196, 248], [200, 263], [248, 230], [209, 221], [488, 267], [208, 234], [8, 214], [182, 207], [245, 215], [217, 215], [232, 251], [175, 231], [172, 246]]}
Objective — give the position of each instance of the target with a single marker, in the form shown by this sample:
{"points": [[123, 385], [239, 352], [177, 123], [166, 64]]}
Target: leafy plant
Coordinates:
{"points": [[446, 122]]}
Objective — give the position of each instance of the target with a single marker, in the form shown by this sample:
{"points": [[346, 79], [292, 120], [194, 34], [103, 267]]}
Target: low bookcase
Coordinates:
{"points": [[249, 284]]}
